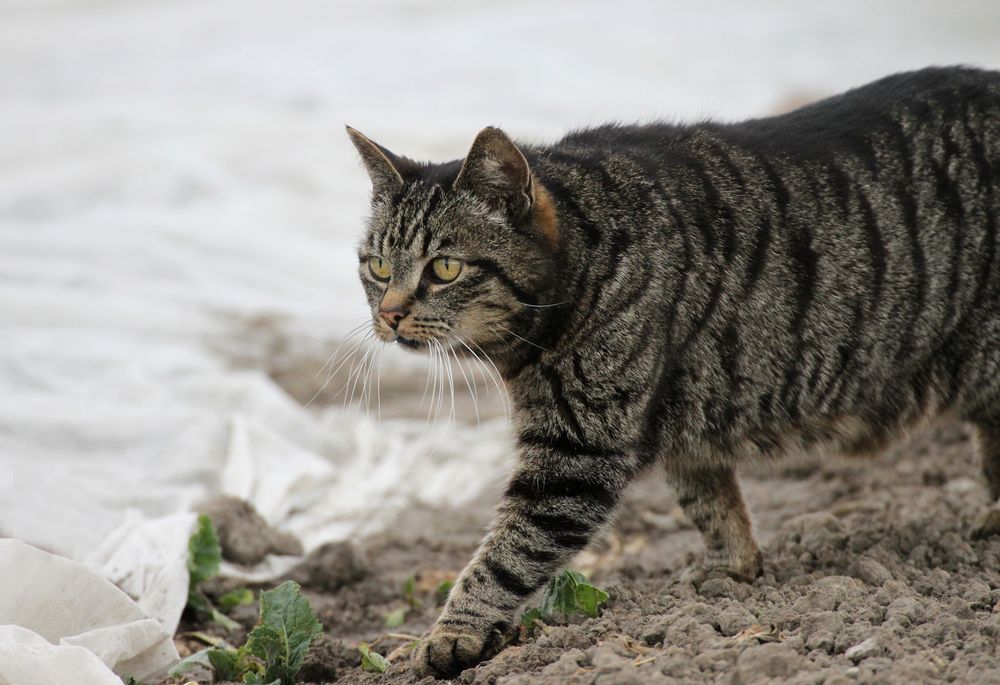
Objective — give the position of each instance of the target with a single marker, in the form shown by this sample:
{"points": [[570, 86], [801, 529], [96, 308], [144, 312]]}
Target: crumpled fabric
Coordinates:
{"points": [[61, 622]]}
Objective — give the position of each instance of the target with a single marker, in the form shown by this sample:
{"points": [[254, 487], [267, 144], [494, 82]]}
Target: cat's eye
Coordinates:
{"points": [[379, 268], [446, 269]]}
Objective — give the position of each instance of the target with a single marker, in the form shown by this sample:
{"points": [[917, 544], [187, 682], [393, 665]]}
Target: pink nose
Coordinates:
{"points": [[393, 316]]}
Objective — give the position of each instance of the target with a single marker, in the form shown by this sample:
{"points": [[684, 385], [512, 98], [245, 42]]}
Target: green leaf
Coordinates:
{"points": [[266, 643], [210, 640], [396, 618], [223, 620], [199, 603], [258, 679], [231, 600], [589, 599], [410, 592], [444, 589], [529, 617], [560, 594], [188, 662], [287, 627], [204, 553], [570, 593], [225, 662], [371, 660]]}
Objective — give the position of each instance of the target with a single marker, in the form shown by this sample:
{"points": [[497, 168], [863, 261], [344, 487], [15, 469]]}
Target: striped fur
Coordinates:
{"points": [[696, 296]]}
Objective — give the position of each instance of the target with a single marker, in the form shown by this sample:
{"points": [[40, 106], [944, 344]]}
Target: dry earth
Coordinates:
{"points": [[870, 576]]}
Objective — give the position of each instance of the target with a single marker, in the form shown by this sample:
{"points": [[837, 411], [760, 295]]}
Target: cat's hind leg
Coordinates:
{"points": [[988, 444], [980, 406], [712, 501]]}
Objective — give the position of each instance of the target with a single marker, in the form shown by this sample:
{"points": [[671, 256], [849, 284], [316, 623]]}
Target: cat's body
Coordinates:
{"points": [[700, 295]]}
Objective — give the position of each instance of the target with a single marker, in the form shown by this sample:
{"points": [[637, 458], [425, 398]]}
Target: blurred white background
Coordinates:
{"points": [[179, 206]]}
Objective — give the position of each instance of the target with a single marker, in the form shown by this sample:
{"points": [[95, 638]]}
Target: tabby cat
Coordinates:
{"points": [[695, 296]]}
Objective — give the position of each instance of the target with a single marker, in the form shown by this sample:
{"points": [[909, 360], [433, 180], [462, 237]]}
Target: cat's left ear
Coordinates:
{"points": [[496, 171]]}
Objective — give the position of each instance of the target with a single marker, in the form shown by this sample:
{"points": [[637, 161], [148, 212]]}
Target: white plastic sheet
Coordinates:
{"points": [[60, 621]]}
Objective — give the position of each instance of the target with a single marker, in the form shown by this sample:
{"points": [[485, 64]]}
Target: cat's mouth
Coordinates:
{"points": [[409, 342]]}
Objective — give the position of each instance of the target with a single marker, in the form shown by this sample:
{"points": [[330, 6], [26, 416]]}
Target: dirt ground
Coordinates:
{"points": [[870, 576]]}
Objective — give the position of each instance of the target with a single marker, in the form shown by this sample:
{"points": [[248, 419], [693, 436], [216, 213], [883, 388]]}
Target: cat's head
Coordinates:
{"points": [[460, 253]]}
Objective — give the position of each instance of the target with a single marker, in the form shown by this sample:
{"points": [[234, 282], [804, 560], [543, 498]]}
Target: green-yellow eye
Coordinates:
{"points": [[446, 269], [379, 268]]}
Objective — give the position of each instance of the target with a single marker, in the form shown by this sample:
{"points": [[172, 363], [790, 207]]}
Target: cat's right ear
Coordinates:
{"points": [[382, 165], [497, 171]]}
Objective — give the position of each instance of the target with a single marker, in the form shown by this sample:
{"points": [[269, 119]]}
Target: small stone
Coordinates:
{"points": [[820, 630], [962, 486], [716, 659], [871, 571], [903, 610], [767, 661], [567, 664], [852, 672], [822, 639], [978, 594], [244, 535], [605, 657], [654, 633], [819, 532], [733, 619], [891, 591], [724, 587], [327, 659], [864, 650], [331, 566], [826, 620]]}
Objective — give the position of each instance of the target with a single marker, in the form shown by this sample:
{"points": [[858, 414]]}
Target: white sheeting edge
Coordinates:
{"points": [[60, 622]]}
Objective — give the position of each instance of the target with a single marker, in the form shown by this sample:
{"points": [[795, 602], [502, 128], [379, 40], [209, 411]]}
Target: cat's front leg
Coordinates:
{"points": [[553, 505]]}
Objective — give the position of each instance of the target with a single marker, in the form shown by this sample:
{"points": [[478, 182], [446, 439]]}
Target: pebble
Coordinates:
{"points": [[903, 610], [871, 571], [767, 661], [733, 619], [864, 650]]}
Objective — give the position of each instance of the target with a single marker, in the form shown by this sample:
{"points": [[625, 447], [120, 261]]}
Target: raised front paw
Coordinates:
{"points": [[451, 649]]}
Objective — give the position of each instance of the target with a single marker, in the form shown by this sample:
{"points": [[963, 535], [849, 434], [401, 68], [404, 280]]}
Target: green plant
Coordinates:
{"points": [[204, 561], [567, 594], [397, 617], [410, 592], [235, 598], [275, 648], [443, 590], [371, 660]]}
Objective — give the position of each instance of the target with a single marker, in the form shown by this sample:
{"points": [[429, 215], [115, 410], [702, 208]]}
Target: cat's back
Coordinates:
{"points": [[908, 104], [835, 125]]}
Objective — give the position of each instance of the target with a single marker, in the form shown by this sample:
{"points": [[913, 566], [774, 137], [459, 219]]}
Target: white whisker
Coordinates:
{"points": [[472, 393], [497, 379], [542, 306], [348, 356], [507, 330]]}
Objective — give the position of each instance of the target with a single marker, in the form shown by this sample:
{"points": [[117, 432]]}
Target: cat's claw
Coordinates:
{"points": [[448, 652]]}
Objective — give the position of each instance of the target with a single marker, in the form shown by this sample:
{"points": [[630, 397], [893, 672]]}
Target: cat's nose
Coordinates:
{"points": [[393, 316]]}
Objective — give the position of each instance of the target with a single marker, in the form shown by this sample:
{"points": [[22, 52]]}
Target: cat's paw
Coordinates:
{"points": [[450, 650], [749, 567], [744, 569]]}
